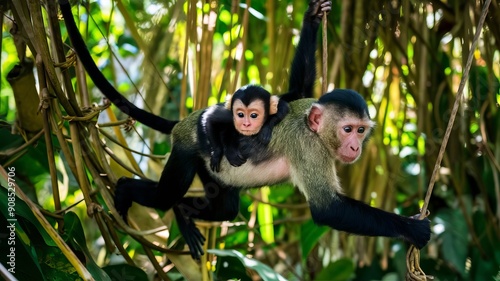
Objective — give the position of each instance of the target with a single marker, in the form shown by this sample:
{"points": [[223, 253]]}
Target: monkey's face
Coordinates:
{"points": [[351, 132], [342, 132], [248, 120]]}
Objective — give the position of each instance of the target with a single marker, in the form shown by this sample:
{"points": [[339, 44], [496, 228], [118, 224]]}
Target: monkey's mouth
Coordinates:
{"points": [[248, 132], [348, 158]]}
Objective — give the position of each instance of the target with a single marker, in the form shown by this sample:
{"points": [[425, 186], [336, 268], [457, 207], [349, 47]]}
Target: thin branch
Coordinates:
{"points": [[456, 105]]}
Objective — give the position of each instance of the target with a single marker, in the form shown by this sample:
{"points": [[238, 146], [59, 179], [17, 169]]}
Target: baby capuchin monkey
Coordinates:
{"points": [[224, 130]]}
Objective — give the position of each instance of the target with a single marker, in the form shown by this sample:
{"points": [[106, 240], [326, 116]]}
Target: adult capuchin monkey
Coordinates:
{"points": [[251, 112], [303, 150]]}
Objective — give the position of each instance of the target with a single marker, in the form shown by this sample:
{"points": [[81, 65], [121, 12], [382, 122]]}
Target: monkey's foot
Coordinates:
{"points": [[194, 239]]}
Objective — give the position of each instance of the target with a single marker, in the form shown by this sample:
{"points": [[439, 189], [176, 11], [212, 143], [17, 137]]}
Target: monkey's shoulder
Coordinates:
{"points": [[296, 115], [290, 131], [185, 132], [298, 106]]}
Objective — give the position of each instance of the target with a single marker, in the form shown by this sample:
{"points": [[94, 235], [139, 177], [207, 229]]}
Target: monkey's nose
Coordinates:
{"points": [[355, 149]]}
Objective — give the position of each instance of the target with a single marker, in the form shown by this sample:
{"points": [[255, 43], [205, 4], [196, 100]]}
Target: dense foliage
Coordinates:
{"points": [[62, 148]]}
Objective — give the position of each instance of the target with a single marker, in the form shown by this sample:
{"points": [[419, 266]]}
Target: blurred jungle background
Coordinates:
{"points": [[64, 147]]}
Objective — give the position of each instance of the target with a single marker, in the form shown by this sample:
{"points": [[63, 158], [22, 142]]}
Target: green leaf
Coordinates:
{"points": [[19, 256], [22, 210], [264, 271], [484, 268], [121, 272], [481, 83], [339, 270], [391, 277], [454, 246], [55, 265], [310, 235], [229, 268], [490, 243], [75, 237]]}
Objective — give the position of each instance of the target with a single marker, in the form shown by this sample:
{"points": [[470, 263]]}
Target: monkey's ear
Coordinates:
{"points": [[314, 117], [273, 104], [227, 104]]}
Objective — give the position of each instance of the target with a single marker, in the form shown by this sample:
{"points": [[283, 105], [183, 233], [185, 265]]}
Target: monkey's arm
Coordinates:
{"points": [[303, 70], [232, 148], [266, 131], [347, 214], [217, 123], [330, 207]]}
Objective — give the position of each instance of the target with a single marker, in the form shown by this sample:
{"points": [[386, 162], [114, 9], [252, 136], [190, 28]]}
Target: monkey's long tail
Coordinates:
{"points": [[153, 121]]}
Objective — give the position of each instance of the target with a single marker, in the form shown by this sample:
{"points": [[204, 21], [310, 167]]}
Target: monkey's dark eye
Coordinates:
{"points": [[347, 129], [361, 130], [241, 115], [254, 115]]}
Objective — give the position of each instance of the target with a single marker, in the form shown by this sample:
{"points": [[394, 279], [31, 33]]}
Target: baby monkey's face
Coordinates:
{"points": [[248, 120]]}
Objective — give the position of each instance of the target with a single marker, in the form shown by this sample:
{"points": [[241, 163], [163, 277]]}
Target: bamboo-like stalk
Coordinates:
{"points": [[64, 144], [80, 167], [205, 57], [45, 109], [324, 73], [58, 51], [42, 48], [244, 37], [271, 36], [66, 250], [121, 138], [116, 240]]}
